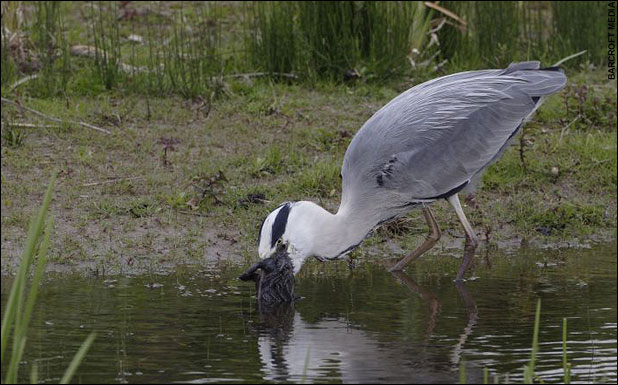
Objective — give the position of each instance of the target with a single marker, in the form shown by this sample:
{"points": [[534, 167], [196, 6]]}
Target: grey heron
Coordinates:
{"points": [[429, 143]]}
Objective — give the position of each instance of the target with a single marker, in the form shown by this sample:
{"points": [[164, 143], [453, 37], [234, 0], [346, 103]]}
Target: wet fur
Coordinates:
{"points": [[274, 279]]}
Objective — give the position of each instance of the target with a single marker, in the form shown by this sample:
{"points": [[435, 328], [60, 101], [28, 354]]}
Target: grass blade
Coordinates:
{"points": [[529, 369], [11, 374], [12, 317], [77, 359], [34, 373], [566, 367]]}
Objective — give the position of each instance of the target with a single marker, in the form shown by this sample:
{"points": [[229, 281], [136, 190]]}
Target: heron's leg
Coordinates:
{"points": [[471, 240], [473, 316], [430, 241]]}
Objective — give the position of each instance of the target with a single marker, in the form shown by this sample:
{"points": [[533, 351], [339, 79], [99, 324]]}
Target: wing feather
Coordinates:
{"points": [[440, 134]]}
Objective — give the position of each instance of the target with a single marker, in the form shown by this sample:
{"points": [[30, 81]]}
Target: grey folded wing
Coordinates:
{"points": [[434, 138]]}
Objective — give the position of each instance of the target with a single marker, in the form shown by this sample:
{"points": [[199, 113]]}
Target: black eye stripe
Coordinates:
{"points": [[281, 220]]}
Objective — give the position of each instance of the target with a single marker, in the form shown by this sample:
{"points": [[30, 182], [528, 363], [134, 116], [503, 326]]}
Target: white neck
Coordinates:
{"points": [[317, 233]]}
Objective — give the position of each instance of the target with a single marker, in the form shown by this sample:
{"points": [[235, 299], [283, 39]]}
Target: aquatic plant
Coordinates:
{"points": [[20, 304], [529, 369], [566, 366]]}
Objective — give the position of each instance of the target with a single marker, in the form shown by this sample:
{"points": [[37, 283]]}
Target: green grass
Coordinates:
{"points": [[529, 377], [174, 127], [566, 366], [292, 153], [529, 369], [21, 301], [13, 136]]}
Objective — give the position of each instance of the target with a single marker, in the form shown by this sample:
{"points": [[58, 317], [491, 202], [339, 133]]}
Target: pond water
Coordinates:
{"points": [[361, 326]]}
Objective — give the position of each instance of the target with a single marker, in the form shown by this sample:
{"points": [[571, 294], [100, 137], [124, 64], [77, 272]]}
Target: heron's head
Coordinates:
{"points": [[283, 229]]}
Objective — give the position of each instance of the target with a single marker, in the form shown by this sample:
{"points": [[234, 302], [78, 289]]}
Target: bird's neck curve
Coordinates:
{"points": [[332, 235]]}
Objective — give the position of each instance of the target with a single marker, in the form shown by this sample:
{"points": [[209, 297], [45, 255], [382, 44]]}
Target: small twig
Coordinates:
{"points": [[438, 67], [439, 26], [29, 125], [23, 80], [522, 149], [193, 213], [428, 61], [598, 162], [114, 180], [563, 131], [569, 58], [446, 12], [258, 74], [53, 119]]}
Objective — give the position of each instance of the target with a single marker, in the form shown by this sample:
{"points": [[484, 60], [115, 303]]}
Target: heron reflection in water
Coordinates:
{"points": [[334, 348]]}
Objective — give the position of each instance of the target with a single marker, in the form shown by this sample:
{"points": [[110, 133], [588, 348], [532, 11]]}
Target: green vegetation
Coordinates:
{"points": [[176, 127], [20, 303], [529, 369], [566, 366], [337, 40], [191, 48], [499, 32], [529, 376], [203, 144], [165, 202]]}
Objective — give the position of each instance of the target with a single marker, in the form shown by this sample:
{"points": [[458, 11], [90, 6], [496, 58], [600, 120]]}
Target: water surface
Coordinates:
{"points": [[363, 326]]}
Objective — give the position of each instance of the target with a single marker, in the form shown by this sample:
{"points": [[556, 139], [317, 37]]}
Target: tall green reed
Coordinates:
{"points": [[180, 53], [105, 30], [183, 52], [21, 301], [462, 372], [48, 33], [580, 25], [191, 59], [529, 369], [272, 39], [10, 26], [566, 366], [500, 32], [528, 377], [337, 39]]}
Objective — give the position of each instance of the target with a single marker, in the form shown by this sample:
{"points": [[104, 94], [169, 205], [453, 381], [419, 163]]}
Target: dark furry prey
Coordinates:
{"points": [[274, 281]]}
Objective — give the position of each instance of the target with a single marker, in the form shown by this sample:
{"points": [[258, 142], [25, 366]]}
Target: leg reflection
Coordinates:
{"points": [[434, 311], [473, 317], [432, 300]]}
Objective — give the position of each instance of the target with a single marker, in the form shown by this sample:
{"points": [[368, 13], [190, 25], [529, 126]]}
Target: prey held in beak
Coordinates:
{"points": [[274, 278]]}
